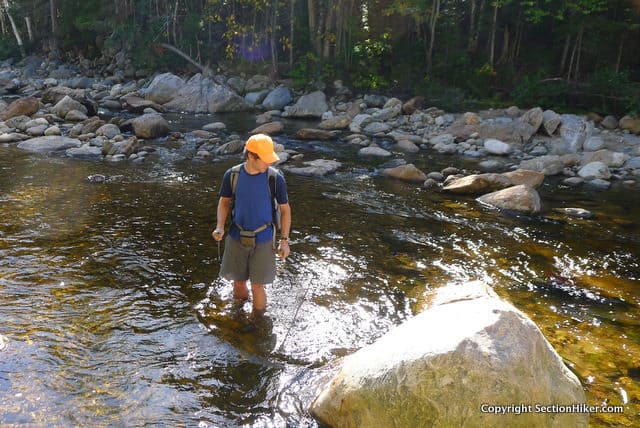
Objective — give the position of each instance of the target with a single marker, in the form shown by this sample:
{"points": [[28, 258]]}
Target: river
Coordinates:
{"points": [[114, 315]]}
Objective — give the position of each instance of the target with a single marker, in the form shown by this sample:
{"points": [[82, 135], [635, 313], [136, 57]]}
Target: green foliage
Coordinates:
{"points": [[9, 48], [441, 95], [370, 59], [614, 91], [534, 90], [309, 69]]}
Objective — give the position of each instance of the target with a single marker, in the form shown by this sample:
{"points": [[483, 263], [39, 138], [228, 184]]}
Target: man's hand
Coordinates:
{"points": [[217, 234], [283, 249]]}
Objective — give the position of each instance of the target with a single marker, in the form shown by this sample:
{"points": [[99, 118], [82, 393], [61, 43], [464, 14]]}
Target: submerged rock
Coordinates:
{"points": [[422, 374]]}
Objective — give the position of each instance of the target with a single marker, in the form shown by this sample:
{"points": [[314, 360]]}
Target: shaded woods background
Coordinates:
{"points": [[581, 55]]}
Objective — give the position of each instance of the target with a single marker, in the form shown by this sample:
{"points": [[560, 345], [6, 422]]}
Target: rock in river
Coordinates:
{"points": [[470, 349]]}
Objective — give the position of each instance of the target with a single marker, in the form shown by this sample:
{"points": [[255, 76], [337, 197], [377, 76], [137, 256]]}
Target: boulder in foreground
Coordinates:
{"points": [[470, 350]]}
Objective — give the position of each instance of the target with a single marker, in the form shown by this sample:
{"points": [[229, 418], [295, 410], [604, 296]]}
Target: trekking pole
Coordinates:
{"points": [[293, 319]]}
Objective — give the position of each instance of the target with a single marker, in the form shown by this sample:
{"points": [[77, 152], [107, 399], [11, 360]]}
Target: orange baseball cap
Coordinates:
{"points": [[263, 146]]}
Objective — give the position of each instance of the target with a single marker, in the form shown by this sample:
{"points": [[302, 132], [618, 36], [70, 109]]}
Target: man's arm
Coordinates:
{"points": [[224, 206], [285, 224]]}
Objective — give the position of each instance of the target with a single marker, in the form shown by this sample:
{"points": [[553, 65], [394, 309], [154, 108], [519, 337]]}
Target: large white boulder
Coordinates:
{"points": [[450, 366]]}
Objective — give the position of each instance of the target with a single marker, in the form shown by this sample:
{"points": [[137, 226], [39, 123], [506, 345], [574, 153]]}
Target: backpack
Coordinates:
{"points": [[272, 179]]}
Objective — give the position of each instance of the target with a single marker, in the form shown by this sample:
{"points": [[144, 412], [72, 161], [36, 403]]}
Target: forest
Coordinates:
{"points": [[574, 55]]}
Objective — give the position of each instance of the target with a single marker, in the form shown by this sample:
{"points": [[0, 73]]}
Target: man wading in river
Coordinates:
{"points": [[256, 195]]}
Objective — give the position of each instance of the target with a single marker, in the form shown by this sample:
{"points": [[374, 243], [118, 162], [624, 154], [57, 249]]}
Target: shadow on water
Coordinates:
{"points": [[110, 299]]}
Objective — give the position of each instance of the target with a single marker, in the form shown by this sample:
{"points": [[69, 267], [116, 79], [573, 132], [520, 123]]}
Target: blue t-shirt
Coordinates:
{"points": [[252, 207]]}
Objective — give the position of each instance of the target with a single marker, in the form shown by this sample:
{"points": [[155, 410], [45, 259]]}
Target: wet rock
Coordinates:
{"points": [[550, 121], [413, 104], [406, 146], [470, 118], [442, 139], [277, 98], [336, 122], [48, 144], [21, 107], [576, 212], [575, 130], [497, 147], [315, 134], [375, 100], [376, 128], [309, 105], [407, 172], [230, 147], [108, 130], [12, 137], [214, 127], [594, 170], [36, 131], [203, 95], [75, 116], [631, 124], [138, 105], [65, 105], [517, 198], [609, 158], [548, 165], [593, 144], [573, 181], [609, 122], [489, 353], [271, 128], [374, 151], [85, 151], [150, 126], [476, 184], [256, 98], [534, 118], [598, 184], [315, 168], [483, 183]]}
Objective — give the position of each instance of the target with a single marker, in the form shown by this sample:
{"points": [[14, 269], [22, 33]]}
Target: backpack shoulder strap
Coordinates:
{"points": [[235, 173], [272, 177]]}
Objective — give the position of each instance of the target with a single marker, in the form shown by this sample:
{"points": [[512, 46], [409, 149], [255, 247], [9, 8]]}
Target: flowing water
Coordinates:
{"points": [[114, 316]]}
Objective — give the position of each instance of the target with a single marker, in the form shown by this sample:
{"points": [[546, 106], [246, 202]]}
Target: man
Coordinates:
{"points": [[249, 253]]}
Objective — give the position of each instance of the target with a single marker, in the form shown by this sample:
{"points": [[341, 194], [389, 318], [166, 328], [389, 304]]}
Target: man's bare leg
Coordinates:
{"points": [[259, 299], [240, 292]]}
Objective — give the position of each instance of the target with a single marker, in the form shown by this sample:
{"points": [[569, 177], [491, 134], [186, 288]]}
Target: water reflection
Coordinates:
{"points": [[110, 299]]}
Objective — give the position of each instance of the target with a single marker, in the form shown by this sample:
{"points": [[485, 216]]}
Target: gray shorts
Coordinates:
{"points": [[256, 264]]}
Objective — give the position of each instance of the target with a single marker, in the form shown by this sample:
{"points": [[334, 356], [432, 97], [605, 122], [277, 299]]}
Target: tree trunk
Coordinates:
{"points": [[274, 39], [506, 46], [572, 59], [175, 19], [292, 22], [494, 24], [435, 14], [16, 33], [565, 53], [3, 25], [313, 26], [27, 21], [472, 42], [579, 53], [620, 50], [328, 37], [54, 18]]}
